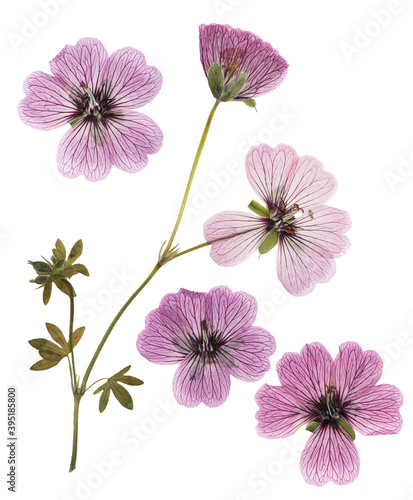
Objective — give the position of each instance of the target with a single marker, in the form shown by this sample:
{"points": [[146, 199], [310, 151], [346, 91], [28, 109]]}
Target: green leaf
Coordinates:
{"points": [[56, 335], [77, 335], [104, 398], [216, 80], [346, 427], [64, 286], [128, 380], [269, 243], [312, 426], [233, 87], [70, 271], [47, 346], [51, 356], [259, 209], [121, 394], [43, 364], [101, 388], [75, 252], [47, 292], [251, 103], [60, 251], [121, 373]]}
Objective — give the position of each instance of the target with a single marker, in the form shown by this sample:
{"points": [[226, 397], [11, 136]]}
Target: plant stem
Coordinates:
{"points": [[191, 176], [72, 317], [112, 325], [75, 432]]}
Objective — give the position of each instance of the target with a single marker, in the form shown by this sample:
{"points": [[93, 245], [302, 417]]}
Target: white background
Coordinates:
{"points": [[347, 99]]}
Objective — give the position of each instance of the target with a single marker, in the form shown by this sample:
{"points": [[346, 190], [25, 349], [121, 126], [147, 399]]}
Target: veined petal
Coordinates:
{"points": [[247, 353], [376, 411], [355, 371], [47, 104], [279, 414], [81, 63], [330, 455], [129, 81], [133, 136], [241, 234], [306, 257], [199, 380], [307, 374], [238, 51], [85, 150], [282, 179]]}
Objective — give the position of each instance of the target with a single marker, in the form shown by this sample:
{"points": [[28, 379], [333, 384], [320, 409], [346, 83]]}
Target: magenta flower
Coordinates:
{"points": [[211, 336], [310, 235], [333, 398], [238, 64], [95, 94]]}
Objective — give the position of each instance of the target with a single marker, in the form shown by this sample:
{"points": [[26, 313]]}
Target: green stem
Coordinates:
{"points": [[191, 176], [112, 325], [71, 374], [75, 432], [192, 249], [99, 380], [72, 317]]}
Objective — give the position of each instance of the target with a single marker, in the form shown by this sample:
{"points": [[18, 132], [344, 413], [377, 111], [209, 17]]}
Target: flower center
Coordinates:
{"points": [[208, 343], [329, 408], [231, 59], [282, 219]]}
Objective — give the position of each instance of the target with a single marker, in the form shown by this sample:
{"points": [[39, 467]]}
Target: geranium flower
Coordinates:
{"points": [[310, 235], [238, 64], [333, 398], [211, 336], [95, 94]]}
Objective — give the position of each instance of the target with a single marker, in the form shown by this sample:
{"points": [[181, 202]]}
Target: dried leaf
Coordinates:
{"points": [[121, 394], [47, 292], [47, 346], [56, 335], [64, 286], [75, 252], [43, 364], [104, 398], [77, 335], [60, 251], [129, 380]]}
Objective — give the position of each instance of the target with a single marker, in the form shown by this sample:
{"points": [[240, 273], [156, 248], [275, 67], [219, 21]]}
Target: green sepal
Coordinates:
{"points": [[233, 87], [41, 268], [75, 121], [259, 209], [346, 427], [40, 280], [251, 103], [216, 80], [44, 364], [312, 426], [269, 243]]}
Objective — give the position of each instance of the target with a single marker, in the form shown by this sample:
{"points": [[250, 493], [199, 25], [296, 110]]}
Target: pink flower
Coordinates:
{"points": [[95, 94], [310, 235], [243, 66], [211, 336], [333, 398]]}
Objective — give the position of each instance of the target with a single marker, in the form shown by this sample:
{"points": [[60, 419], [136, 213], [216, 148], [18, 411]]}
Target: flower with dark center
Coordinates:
{"points": [[211, 336], [310, 235], [95, 93], [333, 399]]}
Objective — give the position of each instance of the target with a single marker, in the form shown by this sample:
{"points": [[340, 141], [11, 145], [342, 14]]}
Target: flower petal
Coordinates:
{"points": [[306, 257], [238, 51], [201, 379], [249, 230], [306, 374], [376, 411], [330, 455], [129, 81], [247, 353], [47, 105], [280, 414], [133, 136], [282, 179], [85, 150], [81, 63], [355, 371]]}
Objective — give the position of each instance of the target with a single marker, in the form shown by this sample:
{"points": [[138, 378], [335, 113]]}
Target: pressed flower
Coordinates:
{"points": [[310, 235], [238, 64], [95, 93], [335, 399], [211, 336]]}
